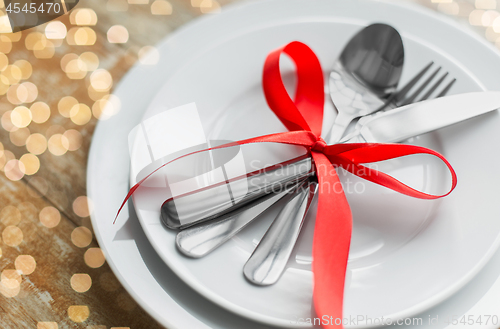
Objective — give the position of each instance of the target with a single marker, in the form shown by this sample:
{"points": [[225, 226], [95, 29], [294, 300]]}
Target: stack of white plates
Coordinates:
{"points": [[433, 264]]}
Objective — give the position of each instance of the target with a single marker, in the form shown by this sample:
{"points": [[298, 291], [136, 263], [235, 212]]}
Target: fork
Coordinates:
{"points": [[269, 259]]}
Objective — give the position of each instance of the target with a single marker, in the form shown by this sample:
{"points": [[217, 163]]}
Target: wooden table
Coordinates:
{"points": [[53, 274]]}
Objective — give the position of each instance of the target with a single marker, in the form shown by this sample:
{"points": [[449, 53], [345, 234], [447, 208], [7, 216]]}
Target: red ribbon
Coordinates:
{"points": [[304, 118]]}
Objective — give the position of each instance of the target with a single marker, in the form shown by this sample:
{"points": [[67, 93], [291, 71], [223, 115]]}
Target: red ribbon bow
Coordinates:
{"points": [[303, 117]]}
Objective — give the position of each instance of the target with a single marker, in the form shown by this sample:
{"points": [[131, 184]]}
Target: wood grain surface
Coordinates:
{"points": [[53, 274]]}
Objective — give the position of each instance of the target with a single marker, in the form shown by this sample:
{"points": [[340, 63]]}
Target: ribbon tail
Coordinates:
{"points": [[332, 238]]}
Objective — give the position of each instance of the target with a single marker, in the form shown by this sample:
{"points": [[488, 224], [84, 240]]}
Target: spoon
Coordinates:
{"points": [[365, 75], [363, 78]]}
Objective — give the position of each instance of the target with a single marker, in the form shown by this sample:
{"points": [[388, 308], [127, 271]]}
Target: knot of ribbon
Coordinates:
{"points": [[319, 145], [303, 117]]}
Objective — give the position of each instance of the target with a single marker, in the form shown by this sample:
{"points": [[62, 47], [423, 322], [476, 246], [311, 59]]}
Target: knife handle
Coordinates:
{"points": [[208, 203]]}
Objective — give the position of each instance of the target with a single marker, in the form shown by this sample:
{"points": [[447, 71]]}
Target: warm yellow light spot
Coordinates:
{"points": [[55, 30], [161, 7], [65, 105], [14, 170], [90, 60], [76, 69], [109, 282], [25, 67], [83, 16], [19, 137], [10, 215], [4, 84], [82, 206], [15, 37], [81, 282], [58, 144], [94, 257], [489, 17], [4, 61], [11, 275], [13, 74], [32, 91], [10, 288], [96, 95], [496, 25], [17, 94], [101, 80], [20, 116], [5, 157], [47, 325], [0, 253], [5, 44], [25, 264], [117, 34], [125, 302], [74, 138], [149, 55], [7, 123], [36, 143], [49, 217], [32, 39], [78, 313], [486, 4], [196, 3], [210, 7], [31, 163], [66, 59], [117, 5], [476, 17], [81, 36], [10, 283], [138, 2], [81, 237], [40, 112], [106, 107], [12, 236], [44, 49], [80, 114]]}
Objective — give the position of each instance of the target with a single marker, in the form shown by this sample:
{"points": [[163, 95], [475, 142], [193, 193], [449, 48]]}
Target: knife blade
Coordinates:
{"points": [[422, 117]]}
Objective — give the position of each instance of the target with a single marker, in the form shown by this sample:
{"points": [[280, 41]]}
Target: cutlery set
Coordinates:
{"points": [[363, 87]]}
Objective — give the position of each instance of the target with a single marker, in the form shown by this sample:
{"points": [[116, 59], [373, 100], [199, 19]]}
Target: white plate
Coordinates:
{"points": [[136, 265], [407, 255]]}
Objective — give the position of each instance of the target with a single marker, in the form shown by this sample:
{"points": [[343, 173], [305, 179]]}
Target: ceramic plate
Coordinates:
{"points": [[474, 79]]}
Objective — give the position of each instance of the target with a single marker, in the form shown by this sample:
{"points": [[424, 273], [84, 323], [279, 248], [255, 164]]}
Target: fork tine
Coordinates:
{"points": [[402, 93], [434, 87], [446, 89], [417, 92]]}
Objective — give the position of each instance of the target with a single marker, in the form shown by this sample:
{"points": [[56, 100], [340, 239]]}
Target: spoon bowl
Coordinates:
{"points": [[365, 75]]}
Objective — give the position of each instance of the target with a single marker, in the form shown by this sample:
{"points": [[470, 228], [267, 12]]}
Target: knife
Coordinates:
{"points": [[422, 117]]}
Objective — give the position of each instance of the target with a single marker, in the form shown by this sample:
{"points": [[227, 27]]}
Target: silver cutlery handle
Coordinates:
{"points": [[206, 204], [200, 240], [269, 259]]}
